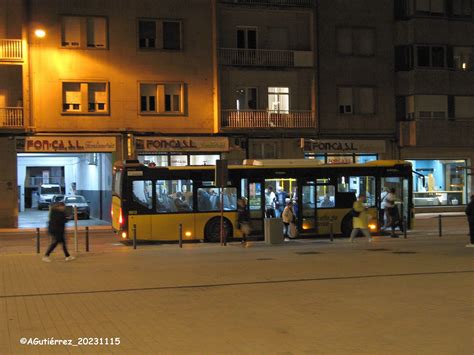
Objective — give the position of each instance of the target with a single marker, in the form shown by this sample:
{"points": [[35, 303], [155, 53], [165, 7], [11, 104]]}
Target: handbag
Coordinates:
{"points": [[293, 232], [354, 213]]}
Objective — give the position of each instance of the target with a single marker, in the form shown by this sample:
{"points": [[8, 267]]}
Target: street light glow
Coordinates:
{"points": [[40, 33]]}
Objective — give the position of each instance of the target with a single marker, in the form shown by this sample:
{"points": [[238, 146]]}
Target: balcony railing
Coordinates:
{"points": [[265, 57], [290, 3], [11, 117], [267, 119], [11, 50]]}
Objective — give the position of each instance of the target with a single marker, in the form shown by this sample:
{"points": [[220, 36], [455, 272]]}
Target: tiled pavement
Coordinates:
{"points": [[392, 296]]}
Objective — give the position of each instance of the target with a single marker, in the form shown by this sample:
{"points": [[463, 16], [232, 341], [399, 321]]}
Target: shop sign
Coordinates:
{"points": [[181, 144], [342, 146], [68, 144]]}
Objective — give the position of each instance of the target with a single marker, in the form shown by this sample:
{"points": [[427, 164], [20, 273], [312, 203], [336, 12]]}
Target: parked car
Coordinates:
{"points": [[83, 209], [45, 194], [57, 198]]}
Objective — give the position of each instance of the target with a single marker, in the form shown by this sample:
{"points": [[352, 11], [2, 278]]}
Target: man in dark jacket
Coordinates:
{"points": [[56, 227], [470, 220]]}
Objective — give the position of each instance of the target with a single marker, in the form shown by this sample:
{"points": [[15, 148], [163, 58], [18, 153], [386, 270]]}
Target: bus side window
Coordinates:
{"points": [[174, 196], [142, 193]]}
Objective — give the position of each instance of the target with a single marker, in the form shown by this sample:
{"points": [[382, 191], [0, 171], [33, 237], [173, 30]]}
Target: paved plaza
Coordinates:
{"points": [[391, 296]]}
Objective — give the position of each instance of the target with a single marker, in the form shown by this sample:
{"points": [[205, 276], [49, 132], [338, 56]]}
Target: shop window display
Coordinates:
{"points": [[444, 182]]}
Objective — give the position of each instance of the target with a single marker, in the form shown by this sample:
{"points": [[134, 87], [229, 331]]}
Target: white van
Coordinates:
{"points": [[45, 194]]}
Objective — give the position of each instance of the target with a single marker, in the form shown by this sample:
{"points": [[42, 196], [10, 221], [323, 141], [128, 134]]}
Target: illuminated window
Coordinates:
{"points": [[84, 32], [159, 34], [161, 98], [278, 99], [463, 58], [85, 98], [246, 99]]}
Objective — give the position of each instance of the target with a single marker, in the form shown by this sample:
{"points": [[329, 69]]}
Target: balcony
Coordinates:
{"points": [[11, 50], [265, 57], [437, 133], [285, 3], [11, 117], [250, 119]]}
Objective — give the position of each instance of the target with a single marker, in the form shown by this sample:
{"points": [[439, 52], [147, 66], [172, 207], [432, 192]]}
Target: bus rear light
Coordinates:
{"points": [[112, 211], [124, 235], [120, 220], [187, 234]]}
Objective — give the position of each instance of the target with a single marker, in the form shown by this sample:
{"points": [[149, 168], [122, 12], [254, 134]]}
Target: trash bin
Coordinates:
{"points": [[273, 231]]}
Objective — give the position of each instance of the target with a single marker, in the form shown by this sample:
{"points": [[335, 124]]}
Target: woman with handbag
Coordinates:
{"points": [[288, 217]]}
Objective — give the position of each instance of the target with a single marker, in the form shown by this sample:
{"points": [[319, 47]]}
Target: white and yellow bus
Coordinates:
{"points": [[157, 200]]}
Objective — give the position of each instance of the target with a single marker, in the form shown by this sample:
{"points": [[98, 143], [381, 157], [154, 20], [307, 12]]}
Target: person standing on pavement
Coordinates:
{"points": [[281, 201], [470, 220], [243, 218], [288, 217], [56, 228], [360, 219]]}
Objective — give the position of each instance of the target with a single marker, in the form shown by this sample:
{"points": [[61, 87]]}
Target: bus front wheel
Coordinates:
{"points": [[346, 226], [212, 231]]}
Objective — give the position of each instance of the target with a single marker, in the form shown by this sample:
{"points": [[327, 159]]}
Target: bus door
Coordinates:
{"points": [[307, 221], [325, 208], [402, 196], [141, 209], [256, 204]]}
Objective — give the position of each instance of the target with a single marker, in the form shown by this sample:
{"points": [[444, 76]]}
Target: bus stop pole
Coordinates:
{"points": [[180, 236], [75, 229], [405, 227], [223, 241], [87, 239], [37, 240], [331, 230], [440, 225], [134, 236]]}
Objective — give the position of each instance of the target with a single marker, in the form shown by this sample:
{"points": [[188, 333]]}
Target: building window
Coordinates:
{"points": [[84, 32], [431, 56], [247, 37], [356, 41], [159, 34], [356, 100], [162, 98], [426, 106], [463, 58], [246, 99], [85, 98], [461, 8], [279, 100], [444, 182], [430, 7]]}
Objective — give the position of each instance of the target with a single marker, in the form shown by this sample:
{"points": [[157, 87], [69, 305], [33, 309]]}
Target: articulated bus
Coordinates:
{"points": [[156, 200]]}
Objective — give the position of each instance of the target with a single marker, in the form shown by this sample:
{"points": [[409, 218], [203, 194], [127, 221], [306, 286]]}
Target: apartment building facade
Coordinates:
{"points": [[188, 82]]}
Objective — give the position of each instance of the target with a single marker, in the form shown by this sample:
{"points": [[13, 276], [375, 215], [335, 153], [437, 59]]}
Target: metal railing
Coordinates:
{"points": [[11, 50], [267, 119], [256, 57], [11, 117], [295, 3]]}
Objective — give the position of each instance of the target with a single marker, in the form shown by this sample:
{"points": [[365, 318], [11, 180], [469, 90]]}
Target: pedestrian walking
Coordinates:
{"points": [[56, 228], [360, 219], [393, 214], [470, 220], [270, 202], [243, 218], [288, 217]]}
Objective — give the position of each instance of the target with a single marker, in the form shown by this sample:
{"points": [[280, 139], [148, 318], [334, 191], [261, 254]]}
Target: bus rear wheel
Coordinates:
{"points": [[212, 231]]}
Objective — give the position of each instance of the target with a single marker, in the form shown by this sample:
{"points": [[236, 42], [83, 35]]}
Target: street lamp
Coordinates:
{"points": [[40, 33]]}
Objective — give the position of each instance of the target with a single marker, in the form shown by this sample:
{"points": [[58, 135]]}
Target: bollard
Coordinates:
{"points": [[331, 231], [440, 225], [87, 239], [37, 240], [134, 236], [180, 236], [76, 248], [405, 231]]}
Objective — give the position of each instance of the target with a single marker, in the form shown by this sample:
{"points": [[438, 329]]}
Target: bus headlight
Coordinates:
{"points": [[187, 234]]}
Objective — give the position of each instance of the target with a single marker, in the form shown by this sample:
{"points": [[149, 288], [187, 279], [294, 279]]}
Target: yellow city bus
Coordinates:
{"points": [[157, 200]]}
